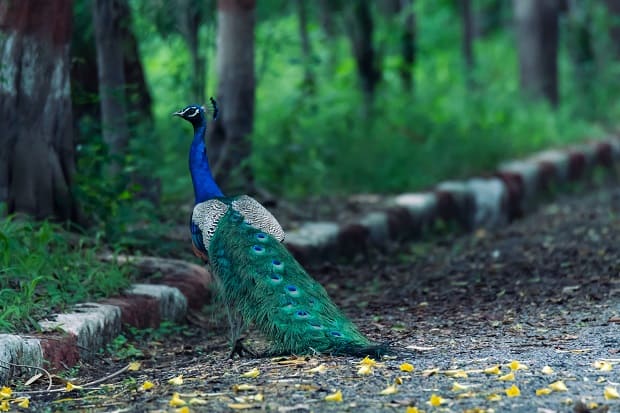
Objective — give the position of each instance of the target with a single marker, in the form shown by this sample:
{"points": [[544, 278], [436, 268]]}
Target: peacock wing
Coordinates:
{"points": [[258, 216]]}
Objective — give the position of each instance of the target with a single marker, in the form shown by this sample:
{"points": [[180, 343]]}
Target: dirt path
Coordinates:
{"points": [[544, 291]]}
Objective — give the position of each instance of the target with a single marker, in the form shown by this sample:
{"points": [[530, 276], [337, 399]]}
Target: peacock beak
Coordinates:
{"points": [[178, 113]]}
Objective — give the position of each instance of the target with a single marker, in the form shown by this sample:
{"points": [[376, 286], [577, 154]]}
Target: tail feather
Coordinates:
{"points": [[269, 288]]}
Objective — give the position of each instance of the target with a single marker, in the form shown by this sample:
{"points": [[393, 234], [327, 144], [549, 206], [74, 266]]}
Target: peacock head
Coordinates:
{"points": [[195, 114]]}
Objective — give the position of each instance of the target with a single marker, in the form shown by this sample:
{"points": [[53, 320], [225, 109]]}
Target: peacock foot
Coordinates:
{"points": [[240, 349]]}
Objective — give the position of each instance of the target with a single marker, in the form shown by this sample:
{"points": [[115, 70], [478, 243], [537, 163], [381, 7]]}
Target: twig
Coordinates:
{"points": [[47, 373]]}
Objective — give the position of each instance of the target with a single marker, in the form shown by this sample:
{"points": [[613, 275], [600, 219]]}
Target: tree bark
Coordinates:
{"points": [[537, 39], [361, 35], [230, 146], [108, 22], [408, 44], [36, 145], [326, 19], [306, 48]]}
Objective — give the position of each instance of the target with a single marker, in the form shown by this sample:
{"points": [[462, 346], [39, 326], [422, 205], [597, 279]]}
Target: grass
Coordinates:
{"points": [[43, 272]]}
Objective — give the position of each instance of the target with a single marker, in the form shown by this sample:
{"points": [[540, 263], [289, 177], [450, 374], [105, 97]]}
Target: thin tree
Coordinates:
{"points": [[108, 21], [36, 145], [230, 146], [306, 47], [537, 41]]}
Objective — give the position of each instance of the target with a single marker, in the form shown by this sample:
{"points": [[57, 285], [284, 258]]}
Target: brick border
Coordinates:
{"points": [[492, 201]]}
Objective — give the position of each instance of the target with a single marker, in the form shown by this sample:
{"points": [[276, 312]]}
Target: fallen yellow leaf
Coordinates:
{"points": [[492, 370], [543, 392], [547, 370], [459, 374], [466, 395], [196, 401], [398, 380], [176, 401], [407, 367], [391, 389], [147, 385], [430, 372], [513, 391], [364, 370], [23, 402], [252, 374], [334, 397], [4, 405], [476, 410], [459, 387], [240, 406], [507, 377], [70, 387], [176, 381], [5, 392], [134, 366], [321, 368], [494, 397], [243, 387], [567, 401], [611, 393], [603, 365], [515, 365], [368, 361], [436, 400], [413, 409], [558, 386], [183, 409]]}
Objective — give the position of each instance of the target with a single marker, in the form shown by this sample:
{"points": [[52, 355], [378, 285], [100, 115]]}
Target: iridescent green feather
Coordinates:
{"points": [[263, 282]]}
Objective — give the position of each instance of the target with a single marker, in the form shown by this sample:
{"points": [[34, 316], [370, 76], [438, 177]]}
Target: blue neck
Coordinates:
{"points": [[205, 187]]}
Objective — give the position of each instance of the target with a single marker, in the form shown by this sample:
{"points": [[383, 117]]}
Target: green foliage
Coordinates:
{"points": [[43, 272]]}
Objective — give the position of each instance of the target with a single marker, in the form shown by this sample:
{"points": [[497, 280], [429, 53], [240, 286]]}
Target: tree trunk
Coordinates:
{"points": [[408, 46], [189, 18], [306, 48], [537, 39], [36, 146], [614, 32], [361, 34], [326, 19], [467, 18], [108, 22], [230, 146]]}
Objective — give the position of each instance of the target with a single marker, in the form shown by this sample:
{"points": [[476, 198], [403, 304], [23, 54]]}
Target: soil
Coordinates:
{"points": [[544, 291]]}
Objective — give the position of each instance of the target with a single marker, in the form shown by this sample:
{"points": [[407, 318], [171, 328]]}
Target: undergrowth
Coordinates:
{"points": [[44, 270]]}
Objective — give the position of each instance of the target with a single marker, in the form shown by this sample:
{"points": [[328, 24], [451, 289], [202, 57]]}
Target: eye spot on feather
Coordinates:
{"points": [[316, 326], [302, 314], [277, 265], [275, 278], [292, 290], [261, 237], [335, 333], [257, 249]]}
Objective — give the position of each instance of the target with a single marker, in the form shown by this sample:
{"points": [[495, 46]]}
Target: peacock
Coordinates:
{"points": [[259, 281]]}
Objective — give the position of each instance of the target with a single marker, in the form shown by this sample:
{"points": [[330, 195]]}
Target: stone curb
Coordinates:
{"points": [[67, 338], [484, 202]]}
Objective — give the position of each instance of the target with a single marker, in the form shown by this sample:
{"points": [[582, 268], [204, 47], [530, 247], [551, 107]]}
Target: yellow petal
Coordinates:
{"points": [[183, 409], [558, 386], [475, 410], [515, 365], [543, 392], [436, 400], [5, 392], [134, 366], [176, 401], [603, 365], [4, 406], [23, 402], [176, 381], [321, 368], [147, 385], [364, 370], [459, 387], [240, 406], [368, 361], [398, 380], [70, 387], [611, 393], [252, 374], [513, 391], [494, 397], [592, 405], [243, 387], [413, 409], [492, 370], [547, 370], [391, 389], [334, 397], [196, 401], [459, 374], [507, 377], [407, 367], [259, 397]]}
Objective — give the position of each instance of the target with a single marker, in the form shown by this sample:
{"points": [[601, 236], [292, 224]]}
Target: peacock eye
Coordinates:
{"points": [[335, 333]]}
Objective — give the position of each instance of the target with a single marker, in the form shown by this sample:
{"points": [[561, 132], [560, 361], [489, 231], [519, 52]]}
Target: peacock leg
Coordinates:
{"points": [[237, 326]]}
